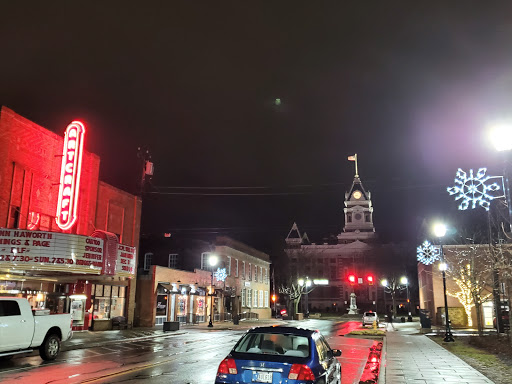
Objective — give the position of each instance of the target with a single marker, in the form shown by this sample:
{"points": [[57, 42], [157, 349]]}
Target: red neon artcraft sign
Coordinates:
{"points": [[70, 175]]}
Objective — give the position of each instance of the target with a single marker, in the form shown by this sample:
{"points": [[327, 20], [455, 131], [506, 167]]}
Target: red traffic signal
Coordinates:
{"points": [[370, 279], [352, 279]]}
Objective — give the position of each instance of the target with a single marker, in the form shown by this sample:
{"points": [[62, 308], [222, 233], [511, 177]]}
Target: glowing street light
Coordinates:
{"points": [[305, 283], [501, 136], [440, 231]]}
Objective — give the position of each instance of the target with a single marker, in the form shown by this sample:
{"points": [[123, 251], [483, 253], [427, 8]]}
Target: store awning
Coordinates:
{"points": [[164, 288]]}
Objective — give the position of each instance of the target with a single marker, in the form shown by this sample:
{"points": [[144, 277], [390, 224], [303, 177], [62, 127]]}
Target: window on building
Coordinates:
{"points": [[250, 272], [228, 269], [236, 267], [266, 276], [261, 274], [260, 299], [266, 299], [349, 217], [255, 273], [367, 217], [255, 298], [205, 265], [243, 269], [173, 260], [249, 296], [243, 297], [148, 258]]}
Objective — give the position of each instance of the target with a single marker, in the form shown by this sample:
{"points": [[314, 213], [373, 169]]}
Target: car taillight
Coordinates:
{"points": [[227, 366], [301, 372]]}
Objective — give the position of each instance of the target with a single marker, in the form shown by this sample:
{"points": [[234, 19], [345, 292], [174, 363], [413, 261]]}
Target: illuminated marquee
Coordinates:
{"points": [[70, 175]]}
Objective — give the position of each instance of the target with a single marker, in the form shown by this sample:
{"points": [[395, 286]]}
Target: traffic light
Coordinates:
{"points": [[370, 279], [352, 279], [273, 298]]}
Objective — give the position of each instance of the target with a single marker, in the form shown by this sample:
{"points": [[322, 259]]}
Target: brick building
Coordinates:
{"points": [[172, 271], [68, 241]]}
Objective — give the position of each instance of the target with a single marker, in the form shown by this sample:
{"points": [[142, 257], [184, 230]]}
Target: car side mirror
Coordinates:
{"points": [[336, 352]]}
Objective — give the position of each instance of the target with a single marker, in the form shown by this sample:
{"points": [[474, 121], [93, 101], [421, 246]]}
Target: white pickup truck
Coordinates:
{"points": [[23, 330]]}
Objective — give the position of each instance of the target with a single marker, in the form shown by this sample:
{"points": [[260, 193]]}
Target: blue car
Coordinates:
{"points": [[284, 355]]}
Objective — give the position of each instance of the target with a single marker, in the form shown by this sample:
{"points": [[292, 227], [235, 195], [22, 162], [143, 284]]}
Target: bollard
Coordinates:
{"points": [[374, 324]]}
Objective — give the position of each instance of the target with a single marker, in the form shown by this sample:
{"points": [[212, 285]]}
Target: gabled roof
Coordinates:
{"points": [[294, 232]]}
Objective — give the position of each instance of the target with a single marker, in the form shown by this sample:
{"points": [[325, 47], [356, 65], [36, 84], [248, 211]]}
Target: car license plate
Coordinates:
{"points": [[262, 377]]}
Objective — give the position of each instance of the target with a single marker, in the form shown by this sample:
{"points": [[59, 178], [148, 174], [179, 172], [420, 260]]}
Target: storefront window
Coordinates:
{"points": [[109, 302], [118, 301], [161, 305]]}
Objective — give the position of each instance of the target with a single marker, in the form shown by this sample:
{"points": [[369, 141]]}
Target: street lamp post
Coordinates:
{"points": [[212, 261], [501, 136], [405, 281], [440, 231]]}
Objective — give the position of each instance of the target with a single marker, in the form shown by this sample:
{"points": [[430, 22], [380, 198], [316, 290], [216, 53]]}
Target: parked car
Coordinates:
{"points": [[281, 355], [370, 317], [23, 330]]}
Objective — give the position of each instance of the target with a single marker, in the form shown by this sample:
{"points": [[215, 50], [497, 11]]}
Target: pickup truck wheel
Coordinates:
{"points": [[50, 347]]}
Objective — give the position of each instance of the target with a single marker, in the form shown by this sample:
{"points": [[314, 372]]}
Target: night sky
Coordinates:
{"points": [[410, 88]]}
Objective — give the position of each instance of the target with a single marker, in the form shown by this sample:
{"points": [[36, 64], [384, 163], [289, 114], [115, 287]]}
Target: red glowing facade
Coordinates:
{"points": [[70, 175], [52, 206]]}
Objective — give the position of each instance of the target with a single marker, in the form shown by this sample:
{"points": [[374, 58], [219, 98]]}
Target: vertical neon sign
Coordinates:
{"points": [[70, 175]]}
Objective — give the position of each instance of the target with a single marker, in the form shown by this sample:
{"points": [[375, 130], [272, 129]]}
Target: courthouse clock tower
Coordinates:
{"points": [[358, 209]]}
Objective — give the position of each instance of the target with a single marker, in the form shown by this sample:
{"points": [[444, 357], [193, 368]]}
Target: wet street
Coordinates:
{"points": [[189, 357]]}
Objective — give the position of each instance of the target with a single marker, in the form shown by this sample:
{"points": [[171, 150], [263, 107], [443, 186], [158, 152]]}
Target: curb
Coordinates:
{"points": [[382, 374]]}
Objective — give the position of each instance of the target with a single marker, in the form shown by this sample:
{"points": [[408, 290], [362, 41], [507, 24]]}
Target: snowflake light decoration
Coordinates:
{"points": [[474, 189], [220, 274], [427, 253]]}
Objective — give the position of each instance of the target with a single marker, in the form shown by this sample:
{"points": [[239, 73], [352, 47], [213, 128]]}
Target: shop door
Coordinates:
{"points": [[15, 331], [488, 309]]}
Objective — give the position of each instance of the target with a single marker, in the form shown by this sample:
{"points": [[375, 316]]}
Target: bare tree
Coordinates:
{"points": [[393, 286], [299, 261]]}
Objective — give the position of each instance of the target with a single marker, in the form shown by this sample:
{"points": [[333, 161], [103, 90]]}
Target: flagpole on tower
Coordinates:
{"points": [[354, 158]]}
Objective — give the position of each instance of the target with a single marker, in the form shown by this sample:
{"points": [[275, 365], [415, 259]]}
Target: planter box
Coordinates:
{"points": [[298, 316], [171, 326]]}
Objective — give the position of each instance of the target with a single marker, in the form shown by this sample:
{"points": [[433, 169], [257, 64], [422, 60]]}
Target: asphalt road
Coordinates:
{"points": [[190, 358]]}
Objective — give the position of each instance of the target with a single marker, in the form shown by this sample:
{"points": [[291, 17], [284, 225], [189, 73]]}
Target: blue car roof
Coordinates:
{"points": [[283, 330]]}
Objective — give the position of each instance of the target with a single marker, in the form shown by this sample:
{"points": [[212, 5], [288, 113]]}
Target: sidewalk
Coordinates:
{"points": [[88, 339], [410, 357]]}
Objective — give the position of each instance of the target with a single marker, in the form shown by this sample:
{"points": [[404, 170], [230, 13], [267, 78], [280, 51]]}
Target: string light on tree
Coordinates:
{"points": [[465, 295], [427, 253], [475, 189]]}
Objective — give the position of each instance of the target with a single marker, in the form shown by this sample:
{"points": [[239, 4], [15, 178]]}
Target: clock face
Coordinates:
{"points": [[357, 195]]}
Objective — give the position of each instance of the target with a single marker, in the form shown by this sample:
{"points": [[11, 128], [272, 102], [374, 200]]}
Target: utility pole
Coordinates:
{"points": [[146, 167]]}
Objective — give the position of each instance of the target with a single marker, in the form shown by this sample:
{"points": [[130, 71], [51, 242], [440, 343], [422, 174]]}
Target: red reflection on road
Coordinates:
{"points": [[354, 351]]}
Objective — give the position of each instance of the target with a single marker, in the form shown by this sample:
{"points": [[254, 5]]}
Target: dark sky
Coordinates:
{"points": [[409, 87]]}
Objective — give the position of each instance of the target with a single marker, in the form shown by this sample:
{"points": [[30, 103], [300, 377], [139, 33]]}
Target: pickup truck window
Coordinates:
{"points": [[9, 308]]}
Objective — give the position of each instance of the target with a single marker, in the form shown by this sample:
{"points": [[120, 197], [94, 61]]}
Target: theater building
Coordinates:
{"points": [[68, 241]]}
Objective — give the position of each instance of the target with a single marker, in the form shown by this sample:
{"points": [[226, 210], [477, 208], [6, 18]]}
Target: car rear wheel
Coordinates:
{"points": [[50, 347]]}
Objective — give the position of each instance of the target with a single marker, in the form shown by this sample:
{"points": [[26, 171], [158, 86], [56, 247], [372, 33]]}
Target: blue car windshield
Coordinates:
{"points": [[274, 344]]}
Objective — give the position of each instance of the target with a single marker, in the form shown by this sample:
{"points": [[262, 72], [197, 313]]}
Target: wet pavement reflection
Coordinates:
{"points": [[187, 358]]}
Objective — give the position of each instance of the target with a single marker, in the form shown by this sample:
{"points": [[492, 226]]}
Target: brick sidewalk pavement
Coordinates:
{"points": [[410, 357]]}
